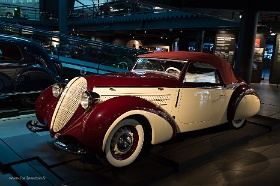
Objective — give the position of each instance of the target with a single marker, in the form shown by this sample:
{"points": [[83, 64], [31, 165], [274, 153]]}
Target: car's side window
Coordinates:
{"points": [[10, 51], [202, 73]]}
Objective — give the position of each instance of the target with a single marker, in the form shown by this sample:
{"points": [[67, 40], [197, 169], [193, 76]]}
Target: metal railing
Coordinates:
{"points": [[31, 11], [76, 53], [76, 48]]}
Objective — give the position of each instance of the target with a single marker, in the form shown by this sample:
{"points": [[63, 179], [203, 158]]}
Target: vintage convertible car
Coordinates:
{"points": [[25, 68], [164, 94]]}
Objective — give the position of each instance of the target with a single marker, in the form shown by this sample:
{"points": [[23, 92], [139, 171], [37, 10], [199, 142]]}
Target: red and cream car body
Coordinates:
{"points": [[165, 93]]}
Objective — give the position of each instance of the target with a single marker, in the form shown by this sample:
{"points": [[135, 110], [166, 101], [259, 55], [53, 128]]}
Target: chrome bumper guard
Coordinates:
{"points": [[71, 147], [34, 126]]}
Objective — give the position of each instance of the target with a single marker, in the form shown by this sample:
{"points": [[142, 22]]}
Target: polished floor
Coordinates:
{"points": [[255, 162]]}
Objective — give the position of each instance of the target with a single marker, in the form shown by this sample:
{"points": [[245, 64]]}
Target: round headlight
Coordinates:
{"points": [[85, 100], [56, 90]]}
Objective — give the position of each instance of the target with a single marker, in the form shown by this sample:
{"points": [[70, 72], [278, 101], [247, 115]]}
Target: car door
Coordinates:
{"points": [[10, 59], [201, 96], [10, 65]]}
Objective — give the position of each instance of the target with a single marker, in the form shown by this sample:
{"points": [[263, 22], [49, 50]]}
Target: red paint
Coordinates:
{"points": [[45, 106], [133, 79], [90, 128]]}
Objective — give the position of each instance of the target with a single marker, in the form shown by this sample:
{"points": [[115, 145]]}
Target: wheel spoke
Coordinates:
{"points": [[122, 141]]}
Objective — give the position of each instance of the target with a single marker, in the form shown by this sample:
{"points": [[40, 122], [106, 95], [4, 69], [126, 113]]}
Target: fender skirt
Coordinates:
{"points": [[238, 94]]}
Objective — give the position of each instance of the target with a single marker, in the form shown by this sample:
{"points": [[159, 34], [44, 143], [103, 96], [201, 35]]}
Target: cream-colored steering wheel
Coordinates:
{"points": [[173, 70]]}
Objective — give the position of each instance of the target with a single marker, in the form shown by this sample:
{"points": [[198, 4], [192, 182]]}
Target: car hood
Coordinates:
{"points": [[132, 79]]}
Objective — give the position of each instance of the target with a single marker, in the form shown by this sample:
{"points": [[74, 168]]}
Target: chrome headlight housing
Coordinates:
{"points": [[85, 100], [89, 98], [56, 89]]}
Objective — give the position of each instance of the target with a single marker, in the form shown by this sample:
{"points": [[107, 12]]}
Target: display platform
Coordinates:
{"points": [[32, 160]]}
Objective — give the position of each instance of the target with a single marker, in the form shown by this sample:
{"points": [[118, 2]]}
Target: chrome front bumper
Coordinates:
{"points": [[34, 126], [69, 147], [72, 147]]}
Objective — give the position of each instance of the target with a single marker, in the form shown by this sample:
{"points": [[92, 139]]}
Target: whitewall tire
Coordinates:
{"points": [[239, 123], [124, 143]]}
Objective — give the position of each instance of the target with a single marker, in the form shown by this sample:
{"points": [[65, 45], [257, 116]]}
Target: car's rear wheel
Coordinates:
{"points": [[237, 124], [124, 143]]}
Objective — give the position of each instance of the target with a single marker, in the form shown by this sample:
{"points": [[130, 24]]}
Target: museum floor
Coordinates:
{"points": [[216, 156]]}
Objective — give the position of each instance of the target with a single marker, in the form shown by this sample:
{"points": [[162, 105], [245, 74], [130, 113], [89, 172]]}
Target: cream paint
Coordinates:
{"points": [[199, 105], [202, 108], [161, 129], [248, 106], [196, 106], [161, 96]]}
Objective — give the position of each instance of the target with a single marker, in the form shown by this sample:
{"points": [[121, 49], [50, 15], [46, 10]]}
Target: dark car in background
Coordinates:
{"points": [[26, 69]]}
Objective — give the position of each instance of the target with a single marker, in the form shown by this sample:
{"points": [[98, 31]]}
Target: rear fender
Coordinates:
{"points": [[109, 113], [244, 102]]}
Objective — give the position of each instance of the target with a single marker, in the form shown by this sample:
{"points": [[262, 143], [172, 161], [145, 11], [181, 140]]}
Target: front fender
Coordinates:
{"points": [[45, 105], [244, 102], [35, 78], [108, 114]]}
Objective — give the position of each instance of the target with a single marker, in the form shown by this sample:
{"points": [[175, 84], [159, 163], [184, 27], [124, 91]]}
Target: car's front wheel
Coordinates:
{"points": [[237, 124], [29, 100], [124, 143]]}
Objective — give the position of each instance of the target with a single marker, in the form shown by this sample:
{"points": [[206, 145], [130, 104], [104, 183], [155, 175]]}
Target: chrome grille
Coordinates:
{"points": [[68, 103]]}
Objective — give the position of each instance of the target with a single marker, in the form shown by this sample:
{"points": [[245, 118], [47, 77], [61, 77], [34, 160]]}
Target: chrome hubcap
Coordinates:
{"points": [[122, 141]]}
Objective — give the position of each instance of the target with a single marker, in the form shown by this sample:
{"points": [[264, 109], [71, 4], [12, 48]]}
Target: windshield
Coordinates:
{"points": [[160, 65]]}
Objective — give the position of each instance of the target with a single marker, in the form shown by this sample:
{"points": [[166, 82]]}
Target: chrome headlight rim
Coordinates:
{"points": [[85, 100], [56, 90], [88, 99]]}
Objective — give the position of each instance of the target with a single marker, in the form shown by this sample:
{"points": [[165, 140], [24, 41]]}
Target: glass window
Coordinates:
{"points": [[10, 51], [202, 73], [172, 67]]}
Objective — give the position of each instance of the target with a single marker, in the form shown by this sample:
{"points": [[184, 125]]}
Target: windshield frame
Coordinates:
{"points": [[160, 65]]}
